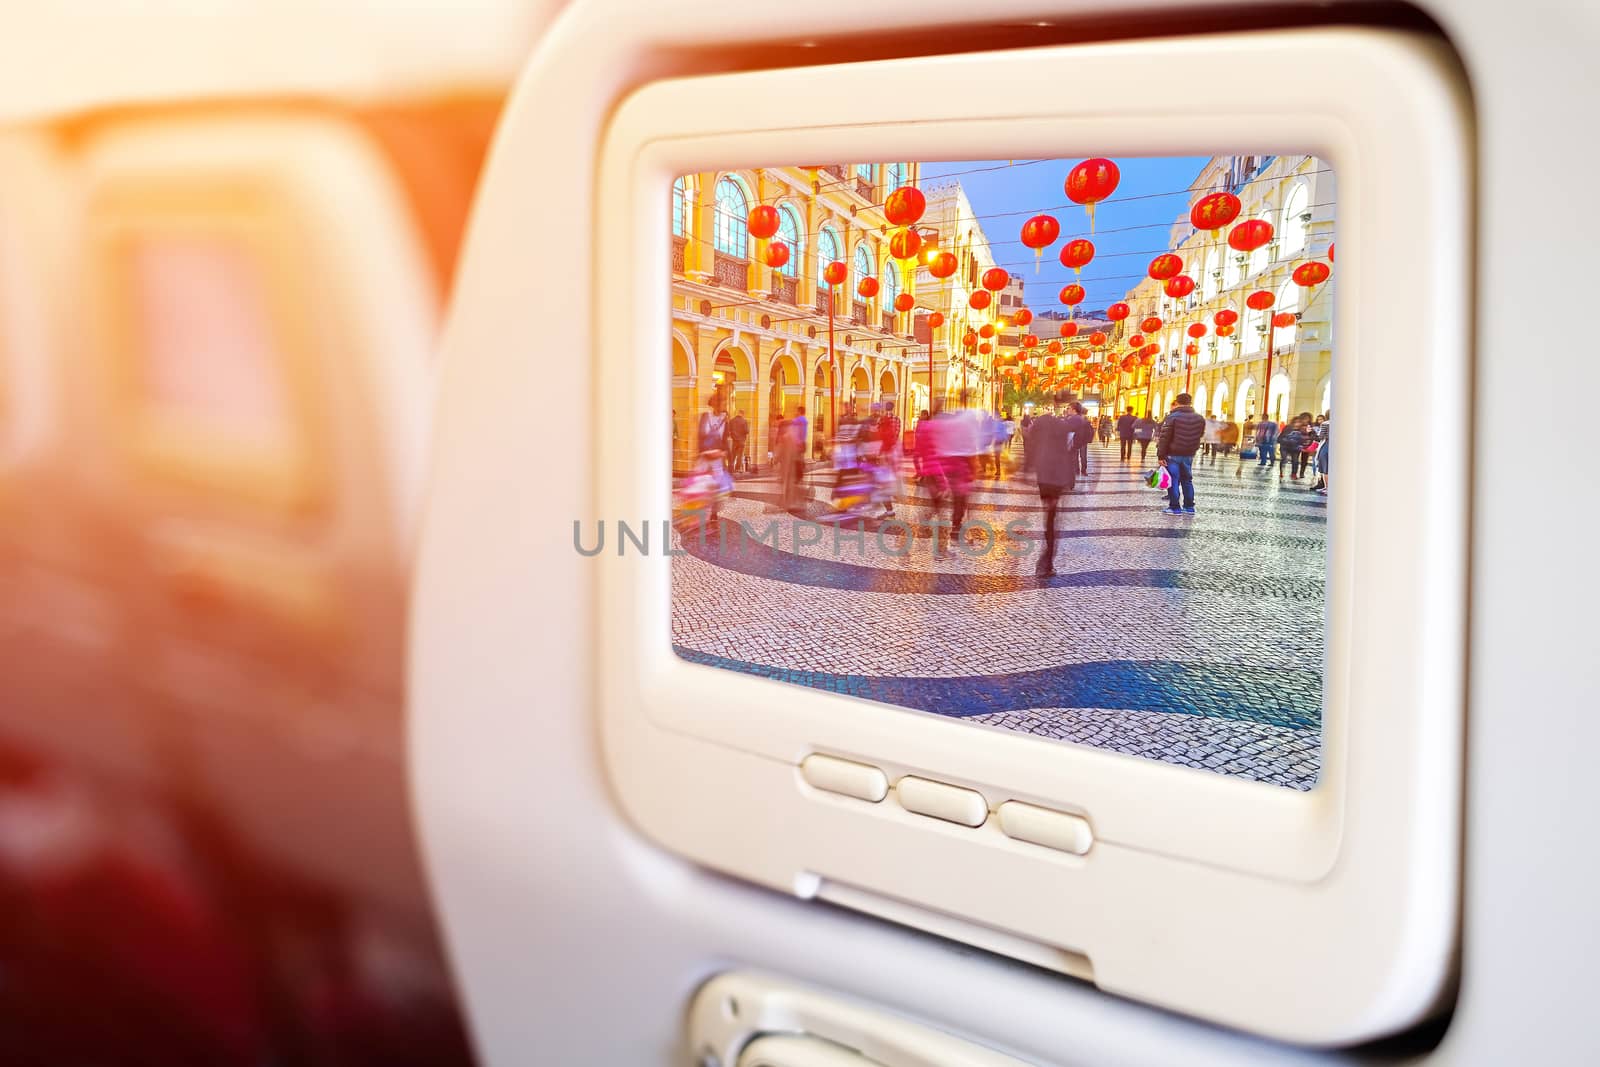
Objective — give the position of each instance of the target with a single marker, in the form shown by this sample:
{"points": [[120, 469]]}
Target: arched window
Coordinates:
{"points": [[1295, 210], [680, 207], [732, 237], [789, 233], [1258, 258], [1326, 396], [864, 171], [1288, 300], [827, 252], [1208, 283], [1253, 322], [1231, 270], [863, 264], [896, 176], [1219, 402], [1200, 398], [891, 285]]}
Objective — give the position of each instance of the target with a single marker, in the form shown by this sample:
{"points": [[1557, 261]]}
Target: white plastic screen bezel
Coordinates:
{"points": [[1321, 917]]}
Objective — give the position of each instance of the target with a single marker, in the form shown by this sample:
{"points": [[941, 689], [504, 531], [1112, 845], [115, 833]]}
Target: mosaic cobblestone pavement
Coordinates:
{"points": [[1195, 640]]}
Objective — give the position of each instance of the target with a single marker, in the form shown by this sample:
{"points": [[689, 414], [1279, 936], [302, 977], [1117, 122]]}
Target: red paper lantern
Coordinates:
{"points": [[1250, 235], [868, 288], [1136, 341], [1147, 358], [1054, 347], [1224, 331], [835, 273], [1040, 232], [1072, 294], [936, 320], [776, 255], [1077, 253], [1129, 362], [1197, 329], [1179, 287], [1118, 311], [970, 340], [1030, 340], [1069, 329], [904, 206], [905, 302], [1097, 339], [943, 265], [1215, 211], [985, 348], [905, 244], [1050, 361], [1166, 266], [1150, 325], [1284, 318], [1259, 300], [1226, 317], [995, 279], [979, 300], [1330, 253], [763, 221], [1310, 273], [1092, 181], [1150, 350], [986, 330], [1192, 350], [1023, 317]]}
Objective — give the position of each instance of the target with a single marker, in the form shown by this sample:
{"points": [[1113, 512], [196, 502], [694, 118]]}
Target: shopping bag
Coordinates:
{"points": [[1160, 478]]}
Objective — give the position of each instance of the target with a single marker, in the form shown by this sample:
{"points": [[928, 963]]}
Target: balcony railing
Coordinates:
{"points": [[678, 244], [823, 296], [785, 288], [858, 310], [863, 188], [888, 322], [834, 171], [731, 271]]}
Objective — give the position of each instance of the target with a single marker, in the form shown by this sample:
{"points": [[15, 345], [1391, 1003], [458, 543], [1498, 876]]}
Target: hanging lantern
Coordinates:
{"points": [[1179, 287], [1310, 273], [868, 288], [1129, 362], [1150, 350], [776, 255], [763, 221], [995, 279], [1053, 347], [1224, 331], [1330, 253], [1150, 325], [979, 300], [1090, 182], [1083, 355], [1166, 266], [936, 320], [944, 264], [1147, 359], [985, 348], [1118, 311], [1072, 295], [1225, 317], [1069, 329], [1197, 329], [1136, 341], [1077, 254], [1050, 361], [1030, 340], [1192, 349], [905, 244], [1022, 317], [1284, 318], [1039, 233], [905, 206], [986, 330], [1097, 339], [905, 302], [835, 273], [1259, 300], [1215, 211], [1250, 235]]}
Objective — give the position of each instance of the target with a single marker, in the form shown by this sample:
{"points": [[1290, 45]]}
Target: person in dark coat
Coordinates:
{"points": [[1125, 433], [1053, 446], [1083, 432], [1144, 431], [1181, 433]]}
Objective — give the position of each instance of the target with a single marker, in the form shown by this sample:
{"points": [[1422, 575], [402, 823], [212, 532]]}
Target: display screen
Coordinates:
{"points": [[931, 446]]}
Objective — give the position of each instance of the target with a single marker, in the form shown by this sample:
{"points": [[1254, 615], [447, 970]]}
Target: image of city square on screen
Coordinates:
{"points": [[1042, 445]]}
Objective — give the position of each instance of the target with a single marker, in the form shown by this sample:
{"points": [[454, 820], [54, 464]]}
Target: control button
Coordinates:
{"points": [[1041, 826], [834, 775], [948, 802]]}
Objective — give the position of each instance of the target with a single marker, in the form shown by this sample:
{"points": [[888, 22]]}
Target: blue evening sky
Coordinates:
{"points": [[1131, 228]]}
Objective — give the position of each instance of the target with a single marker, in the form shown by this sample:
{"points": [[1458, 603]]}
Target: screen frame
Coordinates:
{"points": [[1369, 857]]}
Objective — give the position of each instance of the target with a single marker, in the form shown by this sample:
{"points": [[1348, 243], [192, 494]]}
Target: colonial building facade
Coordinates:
{"points": [[1228, 375], [757, 335]]}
